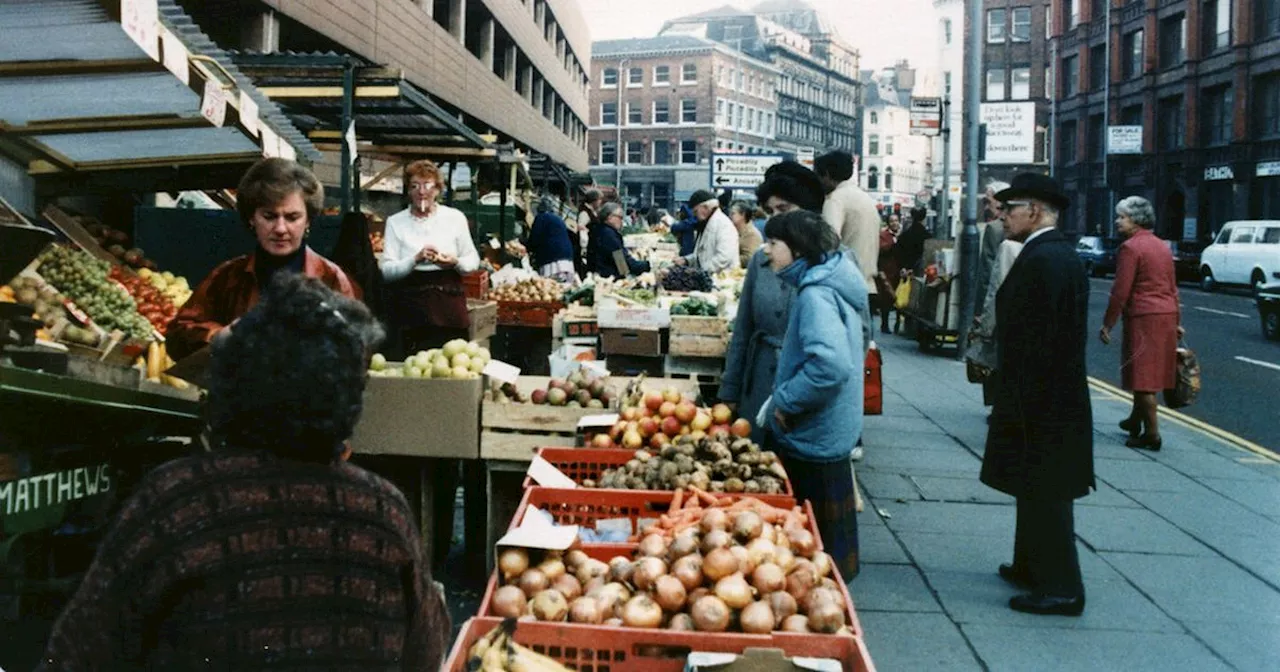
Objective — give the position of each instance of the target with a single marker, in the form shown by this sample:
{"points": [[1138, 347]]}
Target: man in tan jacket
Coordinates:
{"points": [[851, 212]]}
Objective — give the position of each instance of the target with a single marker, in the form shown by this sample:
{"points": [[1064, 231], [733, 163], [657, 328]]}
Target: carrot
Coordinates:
{"points": [[693, 504], [703, 495], [692, 522], [724, 502], [677, 499]]}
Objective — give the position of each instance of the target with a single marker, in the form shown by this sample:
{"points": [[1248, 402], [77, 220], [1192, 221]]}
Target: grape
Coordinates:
{"points": [[85, 280]]}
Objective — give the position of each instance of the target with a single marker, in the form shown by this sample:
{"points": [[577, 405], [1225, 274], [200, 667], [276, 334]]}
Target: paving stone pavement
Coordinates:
{"points": [[1180, 549]]}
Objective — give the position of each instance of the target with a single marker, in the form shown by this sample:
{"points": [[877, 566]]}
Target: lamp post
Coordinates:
{"points": [[618, 154], [969, 235]]}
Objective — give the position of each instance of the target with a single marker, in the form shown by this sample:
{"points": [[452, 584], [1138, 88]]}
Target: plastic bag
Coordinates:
{"points": [[1186, 386]]}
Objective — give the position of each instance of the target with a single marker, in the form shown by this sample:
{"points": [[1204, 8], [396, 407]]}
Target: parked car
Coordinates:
{"points": [[1268, 299], [1246, 252], [1098, 255], [1186, 259]]}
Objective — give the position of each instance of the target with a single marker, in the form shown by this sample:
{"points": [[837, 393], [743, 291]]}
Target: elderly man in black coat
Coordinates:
{"points": [[1040, 443]]}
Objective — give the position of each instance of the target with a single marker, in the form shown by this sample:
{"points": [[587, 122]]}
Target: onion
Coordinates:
{"points": [[820, 596], [761, 550], [826, 617], [669, 592], [689, 570], [681, 622], [574, 559], [768, 578], [568, 586], [512, 563], [784, 558], [799, 582], [620, 569], [549, 605], [533, 581], [734, 591], [527, 618], [653, 545], [747, 525], [829, 584], [802, 542], [593, 585], [757, 618], [647, 572], [781, 541], [585, 610], [769, 531], [642, 612], [745, 565], [823, 563], [719, 564], [710, 614], [698, 593], [610, 596], [614, 622], [591, 569], [553, 568], [508, 602], [685, 544], [783, 605], [716, 539], [714, 519], [795, 623]]}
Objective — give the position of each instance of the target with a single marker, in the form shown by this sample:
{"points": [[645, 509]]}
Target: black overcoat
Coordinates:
{"points": [[1040, 441]]}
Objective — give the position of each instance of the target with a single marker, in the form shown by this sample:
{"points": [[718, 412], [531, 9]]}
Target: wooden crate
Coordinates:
{"points": [[484, 319], [706, 370], [696, 336]]}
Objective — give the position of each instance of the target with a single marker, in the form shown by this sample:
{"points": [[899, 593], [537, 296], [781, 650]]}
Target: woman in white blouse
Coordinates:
{"points": [[427, 247]]}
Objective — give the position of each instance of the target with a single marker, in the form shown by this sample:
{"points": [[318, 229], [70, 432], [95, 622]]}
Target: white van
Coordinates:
{"points": [[1246, 252]]}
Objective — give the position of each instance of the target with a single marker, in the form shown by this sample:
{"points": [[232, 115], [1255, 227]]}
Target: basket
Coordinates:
{"points": [[589, 463], [476, 285], [603, 649], [528, 313]]}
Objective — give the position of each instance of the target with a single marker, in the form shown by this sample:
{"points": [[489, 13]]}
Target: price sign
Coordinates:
{"points": [[175, 58], [214, 104], [249, 113], [141, 22], [270, 143]]}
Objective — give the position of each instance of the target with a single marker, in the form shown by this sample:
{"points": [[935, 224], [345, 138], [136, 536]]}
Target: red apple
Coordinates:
{"points": [[719, 432], [555, 384], [685, 412], [670, 426], [538, 397], [601, 440], [648, 427], [672, 395], [652, 400], [741, 428], [701, 421], [721, 415], [657, 441], [667, 409]]}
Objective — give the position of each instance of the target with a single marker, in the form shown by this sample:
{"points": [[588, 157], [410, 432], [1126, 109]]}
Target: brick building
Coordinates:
{"points": [[514, 68], [659, 106], [1202, 79]]}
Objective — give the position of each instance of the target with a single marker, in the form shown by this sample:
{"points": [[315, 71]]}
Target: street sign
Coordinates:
{"points": [[804, 157], [740, 171], [926, 116], [1124, 139]]}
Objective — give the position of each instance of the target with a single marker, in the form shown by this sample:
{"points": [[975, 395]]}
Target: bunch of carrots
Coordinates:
{"points": [[689, 505]]}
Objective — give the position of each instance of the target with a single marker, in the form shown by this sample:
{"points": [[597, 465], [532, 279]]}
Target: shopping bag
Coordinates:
{"points": [[902, 297], [1187, 383], [872, 385]]}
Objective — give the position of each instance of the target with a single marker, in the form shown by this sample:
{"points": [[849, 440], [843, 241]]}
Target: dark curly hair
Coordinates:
{"points": [[290, 375], [793, 183]]}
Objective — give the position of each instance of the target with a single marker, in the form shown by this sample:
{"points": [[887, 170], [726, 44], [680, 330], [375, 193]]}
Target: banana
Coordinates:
{"points": [[492, 660], [524, 659]]}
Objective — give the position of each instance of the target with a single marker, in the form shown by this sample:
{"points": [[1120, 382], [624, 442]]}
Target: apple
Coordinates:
{"points": [[378, 362], [631, 440], [420, 360], [740, 428], [607, 398], [653, 400], [460, 372], [555, 384], [412, 372], [455, 347], [630, 414], [477, 365], [684, 430], [667, 409], [657, 441], [633, 427], [597, 388], [616, 431], [648, 427], [569, 388], [701, 422], [721, 415], [595, 403], [601, 440], [583, 397], [670, 426], [719, 432], [557, 397], [672, 395], [441, 368], [697, 435], [686, 411], [573, 403], [538, 397]]}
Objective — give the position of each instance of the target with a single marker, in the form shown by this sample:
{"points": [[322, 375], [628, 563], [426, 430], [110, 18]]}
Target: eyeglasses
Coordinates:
{"points": [[422, 186], [1010, 205]]}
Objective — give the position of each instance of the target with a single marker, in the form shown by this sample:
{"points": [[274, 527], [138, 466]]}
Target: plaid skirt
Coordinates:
{"points": [[829, 488]]}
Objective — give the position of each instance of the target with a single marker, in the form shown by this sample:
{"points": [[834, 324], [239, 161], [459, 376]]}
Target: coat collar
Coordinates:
{"points": [[312, 264], [1054, 235]]}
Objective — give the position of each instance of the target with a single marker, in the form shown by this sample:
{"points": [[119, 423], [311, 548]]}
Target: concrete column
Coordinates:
{"points": [[539, 87], [458, 20], [262, 33], [428, 6], [487, 36], [527, 75], [509, 55]]}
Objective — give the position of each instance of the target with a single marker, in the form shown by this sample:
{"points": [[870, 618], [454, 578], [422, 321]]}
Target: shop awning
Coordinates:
{"points": [[83, 101], [394, 119]]}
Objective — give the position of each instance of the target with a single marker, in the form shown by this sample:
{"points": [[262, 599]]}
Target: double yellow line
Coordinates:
{"points": [[1190, 422]]}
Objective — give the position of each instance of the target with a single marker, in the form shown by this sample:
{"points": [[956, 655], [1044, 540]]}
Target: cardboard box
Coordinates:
{"points": [[484, 319], [420, 418], [638, 342], [616, 316]]}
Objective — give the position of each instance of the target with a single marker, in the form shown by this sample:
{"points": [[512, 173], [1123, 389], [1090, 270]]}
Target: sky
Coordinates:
{"points": [[878, 29]]}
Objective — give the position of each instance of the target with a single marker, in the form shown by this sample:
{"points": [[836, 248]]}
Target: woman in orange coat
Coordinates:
{"points": [[1146, 294]]}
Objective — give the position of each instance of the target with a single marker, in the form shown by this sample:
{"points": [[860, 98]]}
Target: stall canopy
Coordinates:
{"points": [[85, 102]]}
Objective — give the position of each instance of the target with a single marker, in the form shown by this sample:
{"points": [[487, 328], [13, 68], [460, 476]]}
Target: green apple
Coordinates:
{"points": [[413, 372], [441, 369], [460, 373], [378, 362], [477, 365], [454, 347], [461, 361]]}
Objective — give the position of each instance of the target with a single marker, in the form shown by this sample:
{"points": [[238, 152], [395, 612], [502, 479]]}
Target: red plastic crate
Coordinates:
{"points": [[588, 463], [528, 313], [476, 285]]}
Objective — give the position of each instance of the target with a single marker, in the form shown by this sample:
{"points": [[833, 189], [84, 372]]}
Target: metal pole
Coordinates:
{"points": [[1051, 87], [969, 236], [945, 201], [348, 105], [617, 157], [1106, 126]]}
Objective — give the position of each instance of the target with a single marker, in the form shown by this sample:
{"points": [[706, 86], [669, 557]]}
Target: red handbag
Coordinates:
{"points": [[872, 386]]}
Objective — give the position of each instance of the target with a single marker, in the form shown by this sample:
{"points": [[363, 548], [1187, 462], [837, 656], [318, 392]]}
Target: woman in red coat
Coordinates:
{"points": [[1146, 294]]}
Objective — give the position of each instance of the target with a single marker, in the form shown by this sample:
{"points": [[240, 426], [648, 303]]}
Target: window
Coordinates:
{"points": [[688, 151], [720, 121], [1131, 55], [635, 114], [688, 111], [995, 26], [873, 144], [661, 112], [608, 114], [875, 118], [946, 83], [1021, 24], [995, 84], [1067, 142], [1266, 105], [1073, 14], [1020, 88], [946, 31], [1215, 120], [1242, 234], [635, 152], [689, 73], [1170, 124], [1268, 18], [635, 77], [609, 78], [1131, 115], [1097, 67], [1271, 236], [873, 178], [1173, 40], [1070, 76], [662, 153], [737, 80], [732, 33], [888, 178], [608, 152], [661, 74], [1215, 25], [1097, 138], [888, 151]]}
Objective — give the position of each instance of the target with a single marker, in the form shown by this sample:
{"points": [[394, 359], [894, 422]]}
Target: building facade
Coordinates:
{"points": [[1201, 78], [949, 66], [896, 166], [659, 106], [516, 69]]}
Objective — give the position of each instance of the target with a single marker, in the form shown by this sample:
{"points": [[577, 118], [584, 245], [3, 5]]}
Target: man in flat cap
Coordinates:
{"points": [[1040, 442], [717, 246]]}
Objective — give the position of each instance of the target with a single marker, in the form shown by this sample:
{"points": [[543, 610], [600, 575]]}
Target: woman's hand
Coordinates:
{"points": [[445, 260], [1104, 335], [428, 253]]}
